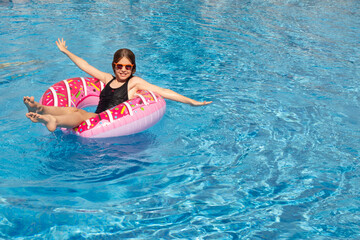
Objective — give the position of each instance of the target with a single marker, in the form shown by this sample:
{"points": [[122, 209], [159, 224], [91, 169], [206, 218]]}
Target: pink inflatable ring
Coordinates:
{"points": [[132, 116]]}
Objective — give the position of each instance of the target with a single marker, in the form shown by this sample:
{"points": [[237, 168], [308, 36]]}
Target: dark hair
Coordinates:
{"points": [[121, 53]]}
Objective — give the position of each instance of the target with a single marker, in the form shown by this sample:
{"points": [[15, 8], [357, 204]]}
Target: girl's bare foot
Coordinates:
{"points": [[31, 105], [48, 120]]}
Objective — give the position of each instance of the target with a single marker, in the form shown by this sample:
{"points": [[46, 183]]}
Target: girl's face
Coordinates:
{"points": [[123, 69]]}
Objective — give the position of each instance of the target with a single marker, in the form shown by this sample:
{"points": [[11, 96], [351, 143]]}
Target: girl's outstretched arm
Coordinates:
{"points": [[82, 64], [141, 84]]}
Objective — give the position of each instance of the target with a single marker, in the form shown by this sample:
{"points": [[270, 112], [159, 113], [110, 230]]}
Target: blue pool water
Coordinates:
{"points": [[276, 156]]}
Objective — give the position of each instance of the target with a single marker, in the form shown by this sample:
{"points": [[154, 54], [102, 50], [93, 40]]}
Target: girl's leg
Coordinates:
{"points": [[70, 120], [39, 108]]}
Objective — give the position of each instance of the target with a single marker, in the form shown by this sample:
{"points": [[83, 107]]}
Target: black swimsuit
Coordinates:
{"points": [[110, 97]]}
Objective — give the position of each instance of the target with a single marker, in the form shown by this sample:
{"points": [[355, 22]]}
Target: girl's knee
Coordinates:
{"points": [[81, 111]]}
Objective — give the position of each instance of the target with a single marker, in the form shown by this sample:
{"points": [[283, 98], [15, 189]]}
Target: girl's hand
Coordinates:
{"points": [[61, 44], [196, 103]]}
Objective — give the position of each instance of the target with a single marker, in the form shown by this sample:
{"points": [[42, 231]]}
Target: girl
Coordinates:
{"points": [[118, 89]]}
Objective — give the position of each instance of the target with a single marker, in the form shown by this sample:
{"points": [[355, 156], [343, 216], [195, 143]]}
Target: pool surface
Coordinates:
{"points": [[275, 156]]}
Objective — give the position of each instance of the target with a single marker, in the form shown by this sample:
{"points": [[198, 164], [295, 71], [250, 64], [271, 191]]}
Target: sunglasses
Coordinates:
{"points": [[120, 66]]}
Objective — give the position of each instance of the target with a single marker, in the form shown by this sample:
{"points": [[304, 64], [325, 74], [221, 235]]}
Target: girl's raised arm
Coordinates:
{"points": [[82, 64]]}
